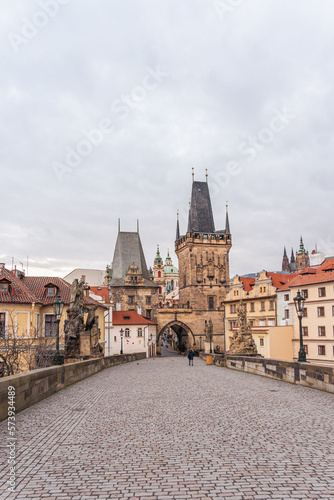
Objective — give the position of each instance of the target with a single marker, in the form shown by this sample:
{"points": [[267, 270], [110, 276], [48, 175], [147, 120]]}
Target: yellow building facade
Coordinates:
{"points": [[258, 292]]}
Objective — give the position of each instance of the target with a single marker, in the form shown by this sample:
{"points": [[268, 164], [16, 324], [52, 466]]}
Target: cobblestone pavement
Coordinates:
{"points": [[161, 429]]}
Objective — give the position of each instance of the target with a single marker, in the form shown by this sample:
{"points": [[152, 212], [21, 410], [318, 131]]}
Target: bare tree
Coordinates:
{"points": [[19, 353]]}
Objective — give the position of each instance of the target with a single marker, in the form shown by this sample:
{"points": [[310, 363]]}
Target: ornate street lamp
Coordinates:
{"points": [[58, 306], [121, 333], [210, 332], [299, 301]]}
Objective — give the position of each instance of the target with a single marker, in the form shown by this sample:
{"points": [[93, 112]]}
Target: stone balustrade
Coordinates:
{"points": [[33, 386], [306, 374]]}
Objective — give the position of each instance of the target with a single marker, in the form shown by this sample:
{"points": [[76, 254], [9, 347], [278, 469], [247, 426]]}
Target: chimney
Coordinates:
{"points": [[2, 265]]}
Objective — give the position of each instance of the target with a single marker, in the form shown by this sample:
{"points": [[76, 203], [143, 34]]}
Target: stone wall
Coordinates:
{"points": [[307, 374], [31, 387]]}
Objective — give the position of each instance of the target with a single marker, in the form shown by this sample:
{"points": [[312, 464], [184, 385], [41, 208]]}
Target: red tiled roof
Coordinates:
{"points": [[279, 279], [102, 291], [18, 292], [119, 318], [39, 284], [248, 283], [287, 285], [311, 279], [31, 289], [327, 265]]}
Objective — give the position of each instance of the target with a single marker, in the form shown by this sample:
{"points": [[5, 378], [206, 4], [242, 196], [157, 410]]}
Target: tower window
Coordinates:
{"points": [[211, 303]]}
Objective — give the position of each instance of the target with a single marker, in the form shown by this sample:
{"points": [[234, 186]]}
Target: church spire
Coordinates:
{"points": [[177, 228], [227, 223], [301, 246], [285, 262], [200, 211]]}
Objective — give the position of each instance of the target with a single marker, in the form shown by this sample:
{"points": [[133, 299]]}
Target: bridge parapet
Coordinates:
{"points": [[31, 387], [307, 374]]}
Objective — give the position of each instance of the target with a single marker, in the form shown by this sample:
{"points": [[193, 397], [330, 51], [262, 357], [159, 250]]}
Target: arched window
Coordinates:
{"points": [[160, 289], [127, 332], [159, 274], [140, 332]]}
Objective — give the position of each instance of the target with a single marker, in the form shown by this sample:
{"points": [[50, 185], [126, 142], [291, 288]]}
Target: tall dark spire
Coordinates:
{"points": [[292, 260], [285, 262], [227, 223], [177, 228], [200, 212]]}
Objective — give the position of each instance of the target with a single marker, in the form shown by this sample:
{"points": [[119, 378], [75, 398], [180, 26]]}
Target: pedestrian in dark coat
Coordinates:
{"points": [[191, 357]]}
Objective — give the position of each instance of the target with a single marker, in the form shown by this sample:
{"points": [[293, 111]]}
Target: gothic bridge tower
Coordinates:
{"points": [[203, 255]]}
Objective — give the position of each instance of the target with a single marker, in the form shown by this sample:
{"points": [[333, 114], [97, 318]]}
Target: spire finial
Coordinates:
{"points": [[137, 225], [193, 173], [206, 175], [227, 223], [119, 225], [177, 226]]}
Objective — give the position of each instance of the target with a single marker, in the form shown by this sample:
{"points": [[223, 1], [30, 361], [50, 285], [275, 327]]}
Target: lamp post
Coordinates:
{"points": [[58, 306], [121, 334], [150, 340], [210, 332], [200, 342], [299, 305]]}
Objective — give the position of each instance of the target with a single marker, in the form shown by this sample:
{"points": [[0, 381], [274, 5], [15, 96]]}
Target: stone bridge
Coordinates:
{"points": [[158, 428]]}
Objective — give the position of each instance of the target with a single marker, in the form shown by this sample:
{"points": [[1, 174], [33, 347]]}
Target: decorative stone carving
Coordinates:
{"points": [[81, 339], [242, 341]]}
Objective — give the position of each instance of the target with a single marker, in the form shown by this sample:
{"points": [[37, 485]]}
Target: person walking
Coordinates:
{"points": [[191, 357]]}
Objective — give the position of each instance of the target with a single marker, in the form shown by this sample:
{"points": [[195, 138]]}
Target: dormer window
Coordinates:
{"points": [[3, 287], [51, 291]]}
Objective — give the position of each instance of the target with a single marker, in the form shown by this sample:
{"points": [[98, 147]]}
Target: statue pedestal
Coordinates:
{"points": [[207, 347], [84, 344]]}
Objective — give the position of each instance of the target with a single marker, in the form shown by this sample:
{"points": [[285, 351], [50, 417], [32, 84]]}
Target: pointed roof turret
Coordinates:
{"points": [[158, 259], [227, 223], [177, 228], [284, 254], [292, 260], [200, 211], [128, 250], [168, 261], [301, 246]]}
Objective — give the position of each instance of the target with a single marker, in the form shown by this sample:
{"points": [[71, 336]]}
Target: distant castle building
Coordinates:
{"points": [[297, 263]]}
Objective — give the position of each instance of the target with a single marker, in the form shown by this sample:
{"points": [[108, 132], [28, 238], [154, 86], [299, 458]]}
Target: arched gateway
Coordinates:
{"points": [[184, 334]]}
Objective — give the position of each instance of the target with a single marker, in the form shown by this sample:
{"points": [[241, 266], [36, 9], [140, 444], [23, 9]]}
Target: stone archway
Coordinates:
{"points": [[183, 332]]}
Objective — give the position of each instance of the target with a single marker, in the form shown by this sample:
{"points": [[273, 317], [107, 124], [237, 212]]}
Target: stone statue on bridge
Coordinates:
{"points": [[81, 340], [242, 341]]}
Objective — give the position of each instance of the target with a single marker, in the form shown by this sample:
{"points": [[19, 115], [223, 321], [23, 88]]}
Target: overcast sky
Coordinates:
{"points": [[107, 105]]}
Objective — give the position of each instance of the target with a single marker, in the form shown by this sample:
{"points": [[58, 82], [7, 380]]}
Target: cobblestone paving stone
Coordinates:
{"points": [[161, 429]]}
